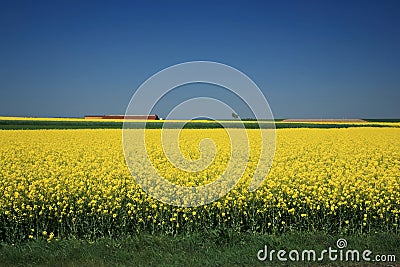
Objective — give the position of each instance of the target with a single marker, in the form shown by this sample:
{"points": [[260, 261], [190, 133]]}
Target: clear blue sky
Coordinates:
{"points": [[315, 59]]}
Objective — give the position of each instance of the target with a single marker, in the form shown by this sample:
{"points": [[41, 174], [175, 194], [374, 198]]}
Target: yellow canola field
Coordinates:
{"points": [[62, 183]]}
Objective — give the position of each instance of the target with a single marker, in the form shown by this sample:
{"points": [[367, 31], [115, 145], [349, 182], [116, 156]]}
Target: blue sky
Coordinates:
{"points": [[311, 59]]}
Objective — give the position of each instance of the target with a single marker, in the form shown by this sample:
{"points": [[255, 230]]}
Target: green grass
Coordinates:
{"points": [[211, 249]]}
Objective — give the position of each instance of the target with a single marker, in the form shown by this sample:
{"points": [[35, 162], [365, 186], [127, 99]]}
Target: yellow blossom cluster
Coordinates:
{"points": [[76, 183]]}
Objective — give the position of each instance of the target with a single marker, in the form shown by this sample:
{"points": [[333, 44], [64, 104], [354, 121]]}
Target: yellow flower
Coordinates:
{"points": [[51, 236], [75, 176]]}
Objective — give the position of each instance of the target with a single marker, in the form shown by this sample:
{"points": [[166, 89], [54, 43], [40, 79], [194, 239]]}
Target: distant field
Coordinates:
{"points": [[19, 123], [324, 120]]}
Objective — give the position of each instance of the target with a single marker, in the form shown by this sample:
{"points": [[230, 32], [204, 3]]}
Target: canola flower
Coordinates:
{"points": [[63, 183]]}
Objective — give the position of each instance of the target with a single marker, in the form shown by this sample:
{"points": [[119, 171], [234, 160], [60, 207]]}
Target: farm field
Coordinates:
{"points": [[73, 184], [26, 123]]}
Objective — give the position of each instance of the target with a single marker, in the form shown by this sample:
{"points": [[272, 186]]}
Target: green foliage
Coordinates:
{"points": [[249, 124], [206, 249]]}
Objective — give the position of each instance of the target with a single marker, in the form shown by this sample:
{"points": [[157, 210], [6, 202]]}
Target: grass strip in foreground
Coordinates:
{"points": [[212, 249]]}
